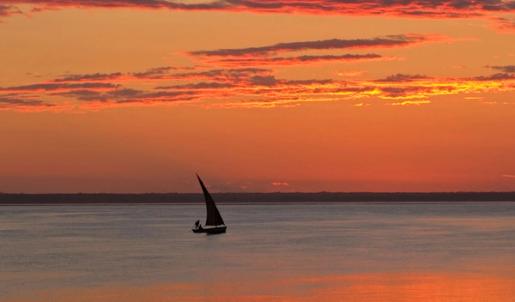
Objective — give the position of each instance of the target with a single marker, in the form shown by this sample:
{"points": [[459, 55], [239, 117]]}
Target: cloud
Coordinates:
{"points": [[57, 86], [505, 68], [496, 77], [419, 8], [408, 103], [152, 4], [129, 95], [89, 77], [248, 87], [232, 75], [263, 80], [158, 73], [284, 61], [154, 73], [505, 23], [9, 10], [199, 85], [16, 103], [379, 42], [417, 90], [22, 102], [399, 77], [268, 55]]}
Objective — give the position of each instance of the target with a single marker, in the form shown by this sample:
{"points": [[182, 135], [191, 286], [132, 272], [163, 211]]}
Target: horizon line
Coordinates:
{"points": [[272, 192]]}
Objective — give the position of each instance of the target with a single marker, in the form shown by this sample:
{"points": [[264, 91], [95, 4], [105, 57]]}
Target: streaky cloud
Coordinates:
{"points": [[295, 60], [496, 77], [22, 102], [418, 8], [129, 95], [17, 103], [400, 77], [239, 88], [89, 77], [199, 85], [505, 23], [9, 10], [154, 73], [378, 42], [504, 68], [221, 74], [58, 86]]}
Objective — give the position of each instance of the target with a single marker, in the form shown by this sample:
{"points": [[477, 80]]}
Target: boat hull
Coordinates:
{"points": [[211, 230]]}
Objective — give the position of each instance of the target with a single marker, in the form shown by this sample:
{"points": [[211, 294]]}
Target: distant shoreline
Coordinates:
{"points": [[185, 198]]}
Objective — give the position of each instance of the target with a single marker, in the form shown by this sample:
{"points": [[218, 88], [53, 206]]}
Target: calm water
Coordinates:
{"points": [[273, 252]]}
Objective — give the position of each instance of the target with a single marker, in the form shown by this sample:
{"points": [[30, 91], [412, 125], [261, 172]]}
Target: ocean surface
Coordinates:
{"points": [[454, 251]]}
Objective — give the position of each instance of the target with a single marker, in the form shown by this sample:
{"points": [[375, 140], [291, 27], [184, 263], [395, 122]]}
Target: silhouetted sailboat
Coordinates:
{"points": [[214, 222]]}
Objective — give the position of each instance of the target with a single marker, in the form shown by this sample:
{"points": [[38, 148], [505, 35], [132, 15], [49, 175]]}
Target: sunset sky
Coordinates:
{"points": [[257, 95]]}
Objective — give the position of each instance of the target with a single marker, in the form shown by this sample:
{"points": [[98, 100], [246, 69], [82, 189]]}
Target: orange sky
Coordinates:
{"points": [[135, 96]]}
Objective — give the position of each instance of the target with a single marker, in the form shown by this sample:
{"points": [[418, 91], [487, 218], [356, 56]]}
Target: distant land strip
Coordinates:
{"points": [[164, 198]]}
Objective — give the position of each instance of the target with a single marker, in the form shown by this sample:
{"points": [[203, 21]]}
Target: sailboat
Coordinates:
{"points": [[214, 222]]}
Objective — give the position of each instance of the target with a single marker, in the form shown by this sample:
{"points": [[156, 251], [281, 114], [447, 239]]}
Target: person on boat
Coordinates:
{"points": [[197, 224]]}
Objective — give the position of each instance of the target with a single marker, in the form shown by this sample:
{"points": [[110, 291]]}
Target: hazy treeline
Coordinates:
{"points": [[81, 198]]}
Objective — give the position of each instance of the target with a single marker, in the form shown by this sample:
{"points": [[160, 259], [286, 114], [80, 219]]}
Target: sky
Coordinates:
{"points": [[257, 96]]}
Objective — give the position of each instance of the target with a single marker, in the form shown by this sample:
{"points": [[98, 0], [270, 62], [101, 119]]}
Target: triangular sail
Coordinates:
{"points": [[213, 216]]}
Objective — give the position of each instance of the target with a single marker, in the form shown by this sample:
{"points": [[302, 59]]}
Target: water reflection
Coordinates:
{"points": [[304, 252], [394, 287]]}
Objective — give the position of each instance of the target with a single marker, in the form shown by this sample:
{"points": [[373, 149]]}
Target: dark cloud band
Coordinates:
{"points": [[387, 41], [425, 8]]}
